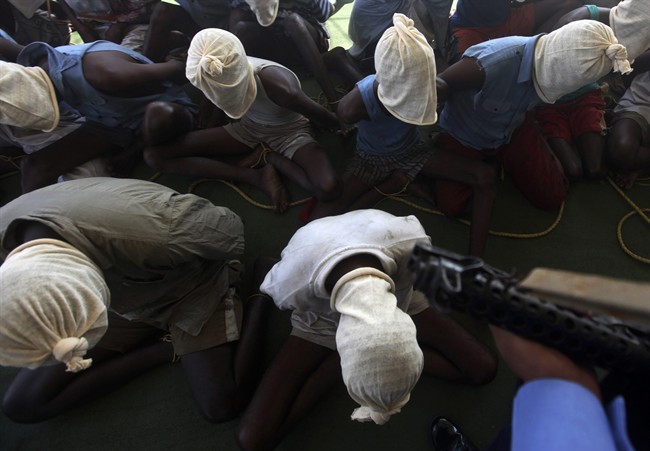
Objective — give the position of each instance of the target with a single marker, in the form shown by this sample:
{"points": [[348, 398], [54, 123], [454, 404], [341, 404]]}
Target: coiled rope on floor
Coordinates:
{"points": [[398, 198], [619, 229], [245, 196]]}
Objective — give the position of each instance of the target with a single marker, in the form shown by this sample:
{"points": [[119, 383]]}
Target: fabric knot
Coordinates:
{"points": [[365, 414], [211, 65], [71, 351], [618, 54]]}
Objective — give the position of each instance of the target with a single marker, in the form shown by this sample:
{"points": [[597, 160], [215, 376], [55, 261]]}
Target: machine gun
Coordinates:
{"points": [[542, 306]]}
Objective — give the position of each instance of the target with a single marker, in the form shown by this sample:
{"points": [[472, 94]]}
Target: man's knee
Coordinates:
{"points": [[330, 188], [622, 150], [250, 438], [18, 409], [219, 412], [164, 121], [164, 13]]}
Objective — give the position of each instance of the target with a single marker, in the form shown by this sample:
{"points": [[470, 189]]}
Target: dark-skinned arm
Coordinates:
{"points": [[284, 90], [10, 49], [351, 108], [465, 74], [87, 33]]}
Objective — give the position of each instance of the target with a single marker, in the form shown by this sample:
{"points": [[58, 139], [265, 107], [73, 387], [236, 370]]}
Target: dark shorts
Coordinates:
{"points": [[373, 169]]}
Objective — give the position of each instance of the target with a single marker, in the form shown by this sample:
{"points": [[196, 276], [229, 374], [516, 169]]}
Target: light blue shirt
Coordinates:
{"points": [[487, 118], [66, 72]]}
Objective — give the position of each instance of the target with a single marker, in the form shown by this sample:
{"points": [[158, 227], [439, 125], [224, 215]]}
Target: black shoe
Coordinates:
{"points": [[446, 436]]}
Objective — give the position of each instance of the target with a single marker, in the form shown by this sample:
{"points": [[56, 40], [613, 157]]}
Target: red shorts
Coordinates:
{"points": [[527, 159], [572, 119], [520, 22]]}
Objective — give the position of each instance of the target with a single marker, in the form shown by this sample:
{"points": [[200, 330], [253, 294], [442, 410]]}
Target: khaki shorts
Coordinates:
{"points": [[284, 139], [222, 327]]}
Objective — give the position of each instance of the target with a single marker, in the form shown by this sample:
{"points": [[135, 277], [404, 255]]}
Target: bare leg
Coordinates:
{"points": [[591, 146], [42, 168], [339, 60], [304, 38], [452, 353], [625, 152], [353, 189], [301, 373], [36, 395], [164, 19], [481, 178], [568, 157], [223, 378], [397, 183], [318, 169], [171, 148]]}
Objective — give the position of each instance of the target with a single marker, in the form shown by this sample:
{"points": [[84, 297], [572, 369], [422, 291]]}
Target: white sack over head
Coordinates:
{"points": [[217, 64], [265, 10], [381, 360], [630, 21], [579, 53], [27, 98], [406, 72], [53, 304]]}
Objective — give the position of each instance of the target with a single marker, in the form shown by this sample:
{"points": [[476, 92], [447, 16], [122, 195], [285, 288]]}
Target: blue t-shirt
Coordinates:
{"points": [[383, 133], [487, 118]]}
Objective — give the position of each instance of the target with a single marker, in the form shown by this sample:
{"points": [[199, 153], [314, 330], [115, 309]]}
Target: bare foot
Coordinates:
{"points": [[421, 190], [272, 184], [416, 188], [626, 180], [255, 159]]}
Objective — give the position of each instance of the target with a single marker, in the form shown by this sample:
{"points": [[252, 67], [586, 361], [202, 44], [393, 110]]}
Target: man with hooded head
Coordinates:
{"points": [[265, 104], [628, 20], [96, 271], [355, 315], [389, 108], [488, 96], [102, 89]]}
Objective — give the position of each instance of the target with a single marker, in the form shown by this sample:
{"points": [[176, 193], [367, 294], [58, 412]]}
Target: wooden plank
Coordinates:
{"points": [[624, 299]]}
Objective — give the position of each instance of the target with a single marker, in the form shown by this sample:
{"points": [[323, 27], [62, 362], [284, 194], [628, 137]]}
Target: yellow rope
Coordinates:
{"points": [[628, 200], [402, 191], [544, 232], [398, 197], [12, 160], [243, 194], [9, 174], [619, 228], [621, 241]]}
